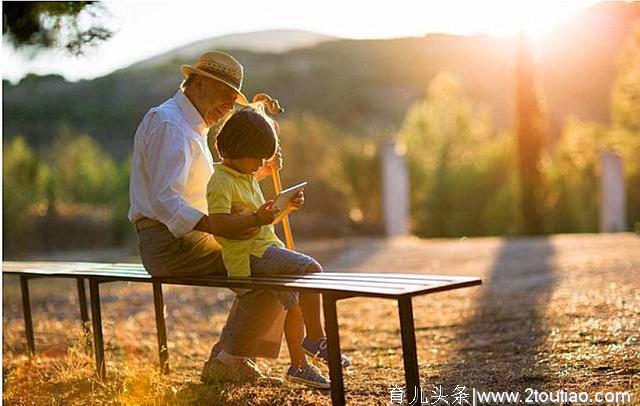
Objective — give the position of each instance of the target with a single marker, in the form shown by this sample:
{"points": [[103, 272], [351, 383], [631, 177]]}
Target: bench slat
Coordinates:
{"points": [[327, 277], [138, 269], [368, 284]]}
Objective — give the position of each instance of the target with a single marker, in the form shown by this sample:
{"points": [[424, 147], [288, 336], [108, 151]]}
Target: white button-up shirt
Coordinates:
{"points": [[171, 166]]}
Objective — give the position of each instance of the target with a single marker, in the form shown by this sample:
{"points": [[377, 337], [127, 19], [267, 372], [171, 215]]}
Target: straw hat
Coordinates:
{"points": [[221, 67]]}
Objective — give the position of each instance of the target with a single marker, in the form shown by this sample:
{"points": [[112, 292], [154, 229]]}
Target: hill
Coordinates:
{"points": [[268, 41], [364, 86]]}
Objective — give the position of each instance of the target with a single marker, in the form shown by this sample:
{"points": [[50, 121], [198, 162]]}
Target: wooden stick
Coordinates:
{"points": [[288, 235], [272, 105]]}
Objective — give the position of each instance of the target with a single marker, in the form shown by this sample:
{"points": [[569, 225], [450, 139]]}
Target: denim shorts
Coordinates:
{"points": [[281, 261]]}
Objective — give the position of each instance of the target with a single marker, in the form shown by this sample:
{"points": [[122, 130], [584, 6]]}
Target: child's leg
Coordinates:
{"points": [[294, 333], [283, 261], [310, 306], [303, 309]]}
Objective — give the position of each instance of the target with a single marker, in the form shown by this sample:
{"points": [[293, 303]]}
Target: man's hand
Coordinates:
{"points": [[275, 163], [276, 160]]}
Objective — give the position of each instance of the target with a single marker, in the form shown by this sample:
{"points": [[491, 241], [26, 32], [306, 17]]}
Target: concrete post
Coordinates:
{"points": [[395, 189], [612, 194]]}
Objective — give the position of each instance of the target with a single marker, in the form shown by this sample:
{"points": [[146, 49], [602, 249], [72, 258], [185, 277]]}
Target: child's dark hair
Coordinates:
{"points": [[247, 134]]}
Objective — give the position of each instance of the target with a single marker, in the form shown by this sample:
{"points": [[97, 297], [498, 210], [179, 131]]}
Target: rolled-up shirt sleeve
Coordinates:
{"points": [[168, 161]]}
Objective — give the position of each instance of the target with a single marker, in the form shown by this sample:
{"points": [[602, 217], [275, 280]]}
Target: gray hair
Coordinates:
{"points": [[188, 81]]}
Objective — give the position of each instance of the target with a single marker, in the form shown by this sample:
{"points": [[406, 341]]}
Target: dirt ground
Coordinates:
{"points": [[556, 313]]}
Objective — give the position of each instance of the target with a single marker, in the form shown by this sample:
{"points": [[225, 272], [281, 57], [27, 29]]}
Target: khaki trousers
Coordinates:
{"points": [[255, 323]]}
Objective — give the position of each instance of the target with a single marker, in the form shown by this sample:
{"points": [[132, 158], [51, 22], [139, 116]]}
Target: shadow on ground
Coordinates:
{"points": [[504, 339]]}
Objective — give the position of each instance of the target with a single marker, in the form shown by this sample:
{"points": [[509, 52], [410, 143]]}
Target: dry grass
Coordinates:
{"points": [[556, 313]]}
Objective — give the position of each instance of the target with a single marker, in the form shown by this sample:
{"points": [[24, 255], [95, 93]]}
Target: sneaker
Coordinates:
{"points": [[308, 375], [318, 349]]}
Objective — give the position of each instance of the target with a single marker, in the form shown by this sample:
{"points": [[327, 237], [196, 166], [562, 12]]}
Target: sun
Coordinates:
{"points": [[539, 19], [498, 18]]}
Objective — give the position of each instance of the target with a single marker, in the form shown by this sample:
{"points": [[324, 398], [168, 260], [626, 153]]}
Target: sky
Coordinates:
{"points": [[143, 29]]}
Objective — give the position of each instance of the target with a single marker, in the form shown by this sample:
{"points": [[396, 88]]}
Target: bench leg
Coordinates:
{"points": [[161, 328], [96, 317], [26, 312], [333, 346], [408, 333], [84, 313]]}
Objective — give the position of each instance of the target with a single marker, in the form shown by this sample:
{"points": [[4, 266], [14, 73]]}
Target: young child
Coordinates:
{"points": [[236, 204]]}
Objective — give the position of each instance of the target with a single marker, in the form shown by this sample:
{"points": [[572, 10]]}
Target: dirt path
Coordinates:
{"points": [[558, 313]]}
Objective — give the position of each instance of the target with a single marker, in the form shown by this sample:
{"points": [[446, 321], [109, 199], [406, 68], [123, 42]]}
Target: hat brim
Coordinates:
{"points": [[188, 69]]}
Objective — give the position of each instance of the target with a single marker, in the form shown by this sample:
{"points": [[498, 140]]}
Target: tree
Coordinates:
{"points": [[625, 133], [571, 178], [83, 172], [459, 168], [530, 132], [22, 187], [625, 98], [41, 25]]}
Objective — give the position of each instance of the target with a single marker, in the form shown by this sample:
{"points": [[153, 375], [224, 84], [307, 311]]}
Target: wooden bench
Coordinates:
{"points": [[332, 286]]}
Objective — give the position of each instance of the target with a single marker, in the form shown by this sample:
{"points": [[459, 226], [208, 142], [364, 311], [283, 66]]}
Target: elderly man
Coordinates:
{"points": [[170, 170]]}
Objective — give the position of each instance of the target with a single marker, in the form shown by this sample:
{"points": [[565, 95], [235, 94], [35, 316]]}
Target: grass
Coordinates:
{"points": [[559, 313]]}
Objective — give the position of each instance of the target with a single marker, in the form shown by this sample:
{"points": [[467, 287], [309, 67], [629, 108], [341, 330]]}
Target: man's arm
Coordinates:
{"points": [[240, 228], [237, 226], [168, 159]]}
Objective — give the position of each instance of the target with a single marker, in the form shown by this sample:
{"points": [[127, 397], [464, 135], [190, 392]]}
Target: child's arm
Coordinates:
{"points": [[223, 224]]}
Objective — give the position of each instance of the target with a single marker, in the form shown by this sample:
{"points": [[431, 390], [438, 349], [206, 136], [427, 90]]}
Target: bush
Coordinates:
{"points": [[122, 228], [76, 187], [311, 148], [82, 172], [572, 175], [23, 182], [361, 170]]}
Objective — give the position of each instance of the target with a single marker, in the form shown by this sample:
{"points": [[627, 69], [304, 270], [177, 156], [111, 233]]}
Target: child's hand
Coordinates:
{"points": [[266, 213], [297, 202]]}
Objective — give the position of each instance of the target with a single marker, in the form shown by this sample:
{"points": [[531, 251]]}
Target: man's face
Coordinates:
{"points": [[218, 101]]}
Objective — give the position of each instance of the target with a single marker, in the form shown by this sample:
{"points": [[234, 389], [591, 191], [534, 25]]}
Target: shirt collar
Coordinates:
{"points": [[190, 113], [231, 171]]}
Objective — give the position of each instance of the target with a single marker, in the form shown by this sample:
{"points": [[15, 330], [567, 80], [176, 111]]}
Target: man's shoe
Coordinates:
{"points": [[268, 379], [308, 375], [245, 370], [216, 371], [249, 372], [318, 349]]}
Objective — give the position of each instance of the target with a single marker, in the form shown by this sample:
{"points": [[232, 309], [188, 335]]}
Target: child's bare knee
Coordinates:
{"points": [[313, 268]]}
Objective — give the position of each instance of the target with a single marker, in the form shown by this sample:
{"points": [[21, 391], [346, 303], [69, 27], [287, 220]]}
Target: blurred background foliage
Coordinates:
{"points": [[72, 191], [460, 166], [42, 25]]}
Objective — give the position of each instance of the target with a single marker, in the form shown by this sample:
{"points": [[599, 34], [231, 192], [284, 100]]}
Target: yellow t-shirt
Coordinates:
{"points": [[229, 188]]}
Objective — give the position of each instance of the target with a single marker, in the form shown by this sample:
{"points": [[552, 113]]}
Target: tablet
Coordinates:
{"points": [[284, 197]]}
